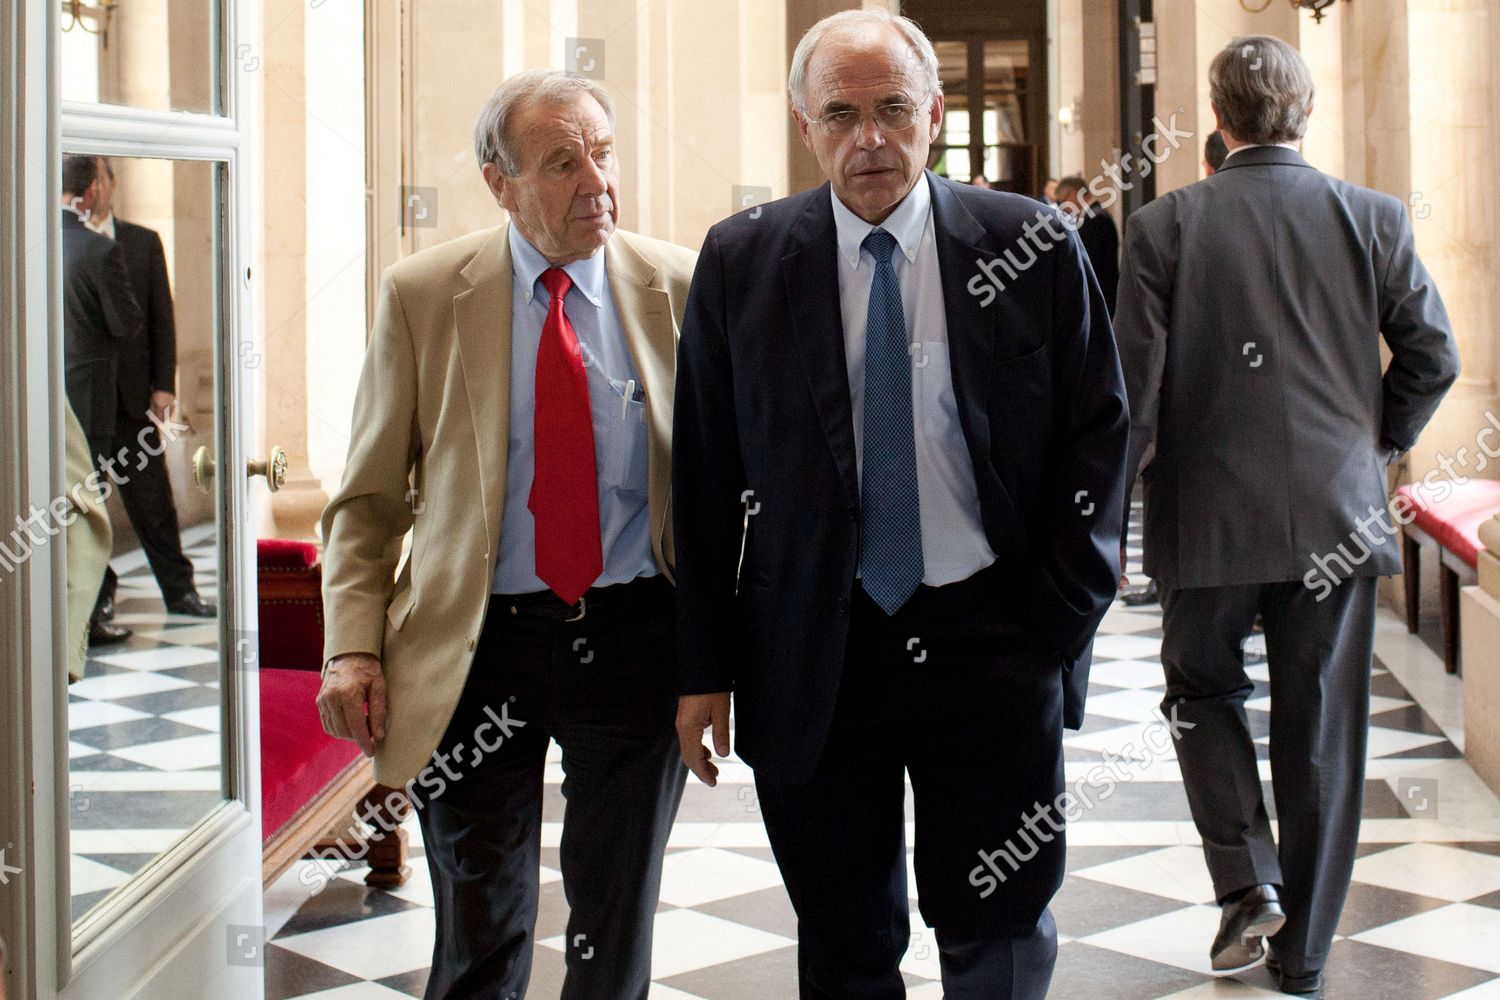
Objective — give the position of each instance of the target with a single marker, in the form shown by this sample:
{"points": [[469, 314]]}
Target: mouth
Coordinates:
{"points": [[596, 219]]}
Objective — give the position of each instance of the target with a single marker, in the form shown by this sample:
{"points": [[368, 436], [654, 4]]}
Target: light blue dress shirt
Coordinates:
{"points": [[954, 546], [618, 404]]}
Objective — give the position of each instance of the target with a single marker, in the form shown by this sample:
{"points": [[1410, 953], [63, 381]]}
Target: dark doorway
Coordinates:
{"points": [[994, 71]]}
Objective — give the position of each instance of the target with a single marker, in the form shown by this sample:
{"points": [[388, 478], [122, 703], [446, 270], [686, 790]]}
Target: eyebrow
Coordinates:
{"points": [[840, 105]]}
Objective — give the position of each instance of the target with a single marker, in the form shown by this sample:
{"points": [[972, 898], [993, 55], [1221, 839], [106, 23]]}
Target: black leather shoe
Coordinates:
{"points": [[1135, 597], [192, 604], [1306, 984], [105, 612], [1245, 922], [105, 634]]}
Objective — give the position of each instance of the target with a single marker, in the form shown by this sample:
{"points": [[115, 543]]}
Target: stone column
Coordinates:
{"points": [[280, 283]]}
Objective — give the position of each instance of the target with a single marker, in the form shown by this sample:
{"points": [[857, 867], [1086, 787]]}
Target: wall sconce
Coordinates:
{"points": [[1070, 115], [77, 14], [1316, 6]]}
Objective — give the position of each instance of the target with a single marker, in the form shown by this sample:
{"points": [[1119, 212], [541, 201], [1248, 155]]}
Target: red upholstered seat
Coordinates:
{"points": [[291, 605], [297, 759], [1454, 522]]}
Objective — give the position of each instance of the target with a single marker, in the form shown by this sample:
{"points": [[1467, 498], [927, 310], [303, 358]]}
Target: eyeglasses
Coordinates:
{"points": [[888, 118]]}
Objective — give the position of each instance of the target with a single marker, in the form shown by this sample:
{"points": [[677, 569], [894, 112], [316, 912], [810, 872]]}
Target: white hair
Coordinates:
{"points": [[797, 80], [492, 142]]}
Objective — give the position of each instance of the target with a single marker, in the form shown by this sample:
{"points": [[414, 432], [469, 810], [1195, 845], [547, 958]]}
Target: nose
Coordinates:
{"points": [[868, 136], [594, 181]]}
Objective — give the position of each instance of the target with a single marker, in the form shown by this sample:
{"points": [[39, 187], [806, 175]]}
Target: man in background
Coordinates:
{"points": [[100, 313], [1260, 383], [145, 377], [1096, 229], [1214, 152]]}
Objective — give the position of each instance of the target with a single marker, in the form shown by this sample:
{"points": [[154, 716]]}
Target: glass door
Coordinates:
{"points": [[145, 833]]}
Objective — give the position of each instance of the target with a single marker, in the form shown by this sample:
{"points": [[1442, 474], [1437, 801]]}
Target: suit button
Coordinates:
{"points": [[471, 643], [843, 605], [853, 514]]}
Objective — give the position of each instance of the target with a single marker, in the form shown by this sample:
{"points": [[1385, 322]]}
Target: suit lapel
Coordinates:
{"points": [[645, 314], [812, 284], [481, 316], [961, 243]]}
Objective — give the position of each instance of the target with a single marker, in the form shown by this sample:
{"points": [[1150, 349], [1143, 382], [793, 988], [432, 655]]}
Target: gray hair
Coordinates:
{"points": [[1262, 90], [492, 141], [797, 81]]}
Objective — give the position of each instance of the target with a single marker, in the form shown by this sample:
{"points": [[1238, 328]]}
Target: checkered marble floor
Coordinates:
{"points": [[1135, 914], [143, 729]]}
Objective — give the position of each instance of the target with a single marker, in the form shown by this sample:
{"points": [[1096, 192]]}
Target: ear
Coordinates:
{"points": [[500, 186], [935, 118], [1218, 118], [804, 127]]}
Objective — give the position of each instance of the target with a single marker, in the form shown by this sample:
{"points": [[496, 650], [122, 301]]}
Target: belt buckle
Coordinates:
{"points": [[583, 609]]}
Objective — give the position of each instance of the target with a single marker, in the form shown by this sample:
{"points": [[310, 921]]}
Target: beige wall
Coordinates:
{"points": [[697, 91]]}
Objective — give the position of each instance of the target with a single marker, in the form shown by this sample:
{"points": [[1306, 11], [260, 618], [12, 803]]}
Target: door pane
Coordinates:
{"points": [[160, 55], [141, 320]]}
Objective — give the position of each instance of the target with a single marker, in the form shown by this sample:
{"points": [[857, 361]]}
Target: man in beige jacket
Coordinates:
{"points": [[514, 413]]}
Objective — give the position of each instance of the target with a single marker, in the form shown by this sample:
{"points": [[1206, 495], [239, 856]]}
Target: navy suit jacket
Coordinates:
{"points": [[100, 314], [149, 361], [763, 424]]}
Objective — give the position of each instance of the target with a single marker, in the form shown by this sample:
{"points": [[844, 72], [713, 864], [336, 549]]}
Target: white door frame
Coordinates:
{"points": [[166, 932]]}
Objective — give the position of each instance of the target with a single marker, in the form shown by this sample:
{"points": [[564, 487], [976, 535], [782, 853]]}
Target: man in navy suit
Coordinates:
{"points": [[898, 463]]}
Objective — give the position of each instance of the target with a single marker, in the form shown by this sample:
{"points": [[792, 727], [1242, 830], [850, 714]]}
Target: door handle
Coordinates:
{"points": [[273, 469]]}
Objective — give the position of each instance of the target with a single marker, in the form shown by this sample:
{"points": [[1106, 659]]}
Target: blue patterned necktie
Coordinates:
{"points": [[890, 556]]}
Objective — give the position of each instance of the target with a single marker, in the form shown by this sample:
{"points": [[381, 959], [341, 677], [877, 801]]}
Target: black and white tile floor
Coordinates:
{"points": [[1135, 914], [143, 730]]}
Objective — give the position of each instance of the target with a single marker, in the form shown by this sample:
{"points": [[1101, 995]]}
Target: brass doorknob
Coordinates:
{"points": [[203, 470], [273, 469]]}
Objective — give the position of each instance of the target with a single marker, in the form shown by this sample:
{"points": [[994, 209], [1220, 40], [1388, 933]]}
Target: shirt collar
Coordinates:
{"points": [[528, 263], [1257, 145], [105, 228], [906, 223]]}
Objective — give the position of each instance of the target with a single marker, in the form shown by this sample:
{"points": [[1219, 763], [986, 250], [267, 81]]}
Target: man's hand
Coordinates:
{"points": [[695, 713], [351, 682], [161, 404]]}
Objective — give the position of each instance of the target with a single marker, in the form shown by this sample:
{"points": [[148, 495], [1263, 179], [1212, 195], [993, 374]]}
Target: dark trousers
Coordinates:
{"points": [[601, 687], [1319, 654], [973, 712], [146, 493]]}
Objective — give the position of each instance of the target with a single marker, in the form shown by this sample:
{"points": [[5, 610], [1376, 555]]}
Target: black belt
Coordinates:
{"points": [[641, 593]]}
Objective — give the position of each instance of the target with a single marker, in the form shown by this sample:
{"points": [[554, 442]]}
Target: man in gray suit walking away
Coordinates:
{"points": [[1251, 308]]}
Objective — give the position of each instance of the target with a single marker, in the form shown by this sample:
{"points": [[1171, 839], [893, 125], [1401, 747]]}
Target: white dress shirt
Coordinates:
{"points": [[954, 546], [1257, 145]]}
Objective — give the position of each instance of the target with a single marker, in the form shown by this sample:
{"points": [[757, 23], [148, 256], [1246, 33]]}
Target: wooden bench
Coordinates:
{"points": [[1452, 525]]}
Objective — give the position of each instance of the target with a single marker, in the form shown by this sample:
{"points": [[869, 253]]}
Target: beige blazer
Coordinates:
{"points": [[427, 453], [89, 540]]}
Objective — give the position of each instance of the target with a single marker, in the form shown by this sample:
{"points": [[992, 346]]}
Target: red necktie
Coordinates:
{"points": [[565, 489]]}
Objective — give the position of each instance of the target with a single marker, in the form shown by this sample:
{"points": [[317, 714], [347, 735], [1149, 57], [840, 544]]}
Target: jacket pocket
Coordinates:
{"points": [[400, 609]]}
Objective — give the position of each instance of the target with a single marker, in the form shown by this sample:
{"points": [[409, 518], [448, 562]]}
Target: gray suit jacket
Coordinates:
{"points": [[1250, 312]]}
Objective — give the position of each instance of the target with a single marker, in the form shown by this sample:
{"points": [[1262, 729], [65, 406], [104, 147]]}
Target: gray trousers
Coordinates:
{"points": [[1319, 655]]}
